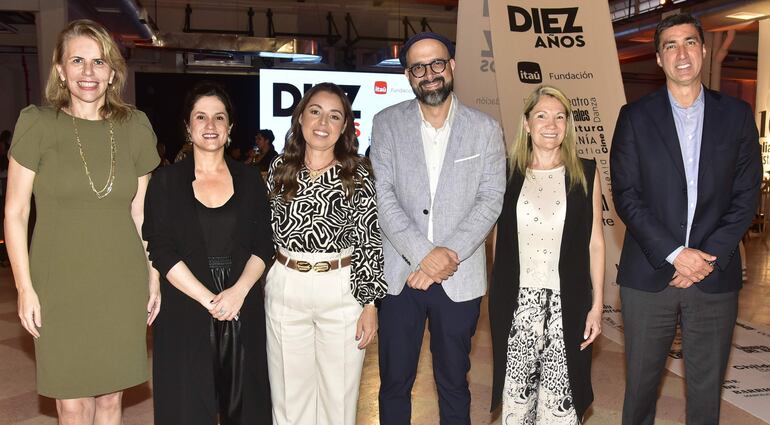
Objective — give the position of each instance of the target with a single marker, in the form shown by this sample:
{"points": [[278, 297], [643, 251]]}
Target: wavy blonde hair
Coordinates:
{"points": [[520, 151], [58, 95]]}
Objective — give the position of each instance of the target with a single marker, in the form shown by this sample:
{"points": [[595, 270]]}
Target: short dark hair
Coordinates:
{"points": [[674, 20], [203, 89], [267, 134]]}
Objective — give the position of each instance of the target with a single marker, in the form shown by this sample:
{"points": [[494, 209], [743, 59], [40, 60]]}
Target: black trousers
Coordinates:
{"points": [[212, 380], [402, 324], [650, 320]]}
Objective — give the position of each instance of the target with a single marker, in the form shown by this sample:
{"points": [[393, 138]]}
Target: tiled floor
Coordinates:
{"points": [[19, 404]]}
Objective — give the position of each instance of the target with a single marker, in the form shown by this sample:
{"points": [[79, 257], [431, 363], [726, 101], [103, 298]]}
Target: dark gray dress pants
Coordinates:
{"points": [[650, 320]]}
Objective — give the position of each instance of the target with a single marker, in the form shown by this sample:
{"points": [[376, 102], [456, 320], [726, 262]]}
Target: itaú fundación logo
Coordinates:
{"points": [[380, 87], [529, 72], [553, 27]]}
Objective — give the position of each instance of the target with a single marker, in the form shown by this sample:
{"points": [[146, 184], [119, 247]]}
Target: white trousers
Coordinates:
{"points": [[313, 358]]}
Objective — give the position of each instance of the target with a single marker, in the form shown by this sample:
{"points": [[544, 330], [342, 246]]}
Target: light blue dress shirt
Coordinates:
{"points": [[689, 128]]}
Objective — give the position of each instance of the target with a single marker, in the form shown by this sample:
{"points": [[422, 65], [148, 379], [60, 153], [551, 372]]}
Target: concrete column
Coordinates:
{"points": [[50, 19], [711, 41], [717, 46]]}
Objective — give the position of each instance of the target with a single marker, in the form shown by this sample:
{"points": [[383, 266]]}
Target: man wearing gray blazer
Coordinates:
{"points": [[440, 176]]}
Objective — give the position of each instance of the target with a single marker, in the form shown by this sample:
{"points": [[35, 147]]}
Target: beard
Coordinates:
{"points": [[433, 97]]}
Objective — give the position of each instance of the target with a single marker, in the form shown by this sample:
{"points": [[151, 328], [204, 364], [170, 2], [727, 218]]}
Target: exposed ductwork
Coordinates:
{"points": [[130, 22], [126, 19], [206, 42]]}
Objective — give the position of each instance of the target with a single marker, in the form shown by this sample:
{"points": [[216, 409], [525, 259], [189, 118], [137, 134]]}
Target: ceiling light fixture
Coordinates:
{"points": [[391, 61], [746, 16], [295, 57]]}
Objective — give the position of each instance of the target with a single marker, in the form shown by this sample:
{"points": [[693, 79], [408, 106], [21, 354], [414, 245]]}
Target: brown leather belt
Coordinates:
{"points": [[304, 266]]}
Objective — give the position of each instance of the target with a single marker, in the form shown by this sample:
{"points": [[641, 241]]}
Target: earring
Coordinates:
{"points": [[62, 84], [188, 136], [229, 140]]}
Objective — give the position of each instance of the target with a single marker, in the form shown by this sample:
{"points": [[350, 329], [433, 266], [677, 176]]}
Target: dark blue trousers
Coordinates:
{"points": [[402, 324]]}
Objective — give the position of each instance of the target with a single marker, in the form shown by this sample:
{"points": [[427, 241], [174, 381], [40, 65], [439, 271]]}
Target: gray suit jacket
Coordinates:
{"points": [[468, 200]]}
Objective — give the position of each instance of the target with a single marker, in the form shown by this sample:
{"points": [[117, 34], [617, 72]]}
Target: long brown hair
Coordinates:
{"points": [[58, 95], [520, 151], [345, 149]]}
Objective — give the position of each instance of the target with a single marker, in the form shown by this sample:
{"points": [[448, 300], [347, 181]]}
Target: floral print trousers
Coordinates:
{"points": [[536, 388]]}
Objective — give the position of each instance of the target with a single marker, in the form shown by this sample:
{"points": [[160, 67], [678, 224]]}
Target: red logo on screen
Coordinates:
{"points": [[380, 87]]}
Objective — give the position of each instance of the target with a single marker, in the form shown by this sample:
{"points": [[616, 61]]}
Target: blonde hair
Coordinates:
{"points": [[58, 95], [520, 151]]}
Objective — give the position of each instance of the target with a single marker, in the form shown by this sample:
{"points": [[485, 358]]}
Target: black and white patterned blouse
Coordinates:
{"points": [[320, 218]]}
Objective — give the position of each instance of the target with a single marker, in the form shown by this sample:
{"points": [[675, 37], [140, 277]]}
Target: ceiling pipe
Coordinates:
{"points": [[188, 28], [139, 18], [332, 35]]}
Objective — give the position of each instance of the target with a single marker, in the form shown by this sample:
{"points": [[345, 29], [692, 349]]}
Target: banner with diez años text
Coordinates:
{"points": [[569, 44]]}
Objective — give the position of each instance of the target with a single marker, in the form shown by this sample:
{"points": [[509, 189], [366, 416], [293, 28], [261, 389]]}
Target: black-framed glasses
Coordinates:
{"points": [[437, 66]]}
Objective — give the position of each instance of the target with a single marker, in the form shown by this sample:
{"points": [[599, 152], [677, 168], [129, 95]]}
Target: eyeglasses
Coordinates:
{"points": [[437, 66]]}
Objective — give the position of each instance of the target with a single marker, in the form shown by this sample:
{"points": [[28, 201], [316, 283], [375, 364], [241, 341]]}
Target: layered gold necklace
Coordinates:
{"points": [[314, 173], [104, 191]]}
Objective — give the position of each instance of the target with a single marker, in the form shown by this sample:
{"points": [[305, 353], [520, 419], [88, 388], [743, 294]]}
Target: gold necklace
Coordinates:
{"points": [[314, 173], [113, 159]]}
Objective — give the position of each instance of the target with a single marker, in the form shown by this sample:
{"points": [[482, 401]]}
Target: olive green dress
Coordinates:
{"points": [[87, 261]]}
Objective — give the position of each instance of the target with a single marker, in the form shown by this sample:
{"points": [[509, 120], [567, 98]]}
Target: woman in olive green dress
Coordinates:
{"points": [[84, 286]]}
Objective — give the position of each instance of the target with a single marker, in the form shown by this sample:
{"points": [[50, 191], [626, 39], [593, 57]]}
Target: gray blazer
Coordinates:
{"points": [[469, 194]]}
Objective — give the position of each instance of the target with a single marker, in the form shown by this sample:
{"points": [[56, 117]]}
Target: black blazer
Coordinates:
{"points": [[575, 285], [173, 234], [650, 190]]}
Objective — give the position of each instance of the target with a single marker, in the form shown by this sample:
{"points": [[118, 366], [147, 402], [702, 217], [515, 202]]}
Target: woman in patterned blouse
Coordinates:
{"points": [[320, 293]]}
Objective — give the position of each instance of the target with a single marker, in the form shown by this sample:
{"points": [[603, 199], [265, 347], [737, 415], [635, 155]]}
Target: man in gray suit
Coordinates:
{"points": [[440, 170]]}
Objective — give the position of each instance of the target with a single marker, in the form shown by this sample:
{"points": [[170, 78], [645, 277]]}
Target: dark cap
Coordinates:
{"points": [[425, 36]]}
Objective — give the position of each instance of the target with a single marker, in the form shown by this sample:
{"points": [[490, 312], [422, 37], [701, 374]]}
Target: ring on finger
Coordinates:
{"points": [[222, 311]]}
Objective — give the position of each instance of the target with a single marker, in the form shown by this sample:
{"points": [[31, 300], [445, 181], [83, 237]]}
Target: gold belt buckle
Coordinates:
{"points": [[322, 266], [304, 266]]}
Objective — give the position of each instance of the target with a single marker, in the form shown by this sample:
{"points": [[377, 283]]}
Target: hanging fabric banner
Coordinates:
{"points": [[475, 72]]}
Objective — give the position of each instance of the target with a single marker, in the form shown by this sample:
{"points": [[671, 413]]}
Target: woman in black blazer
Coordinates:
{"points": [[207, 224], [545, 299]]}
